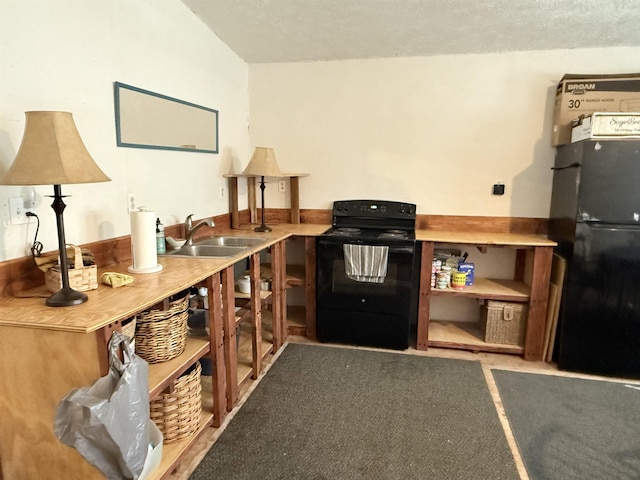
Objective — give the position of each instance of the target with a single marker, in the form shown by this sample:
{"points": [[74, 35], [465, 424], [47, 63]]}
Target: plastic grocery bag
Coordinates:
{"points": [[108, 423]]}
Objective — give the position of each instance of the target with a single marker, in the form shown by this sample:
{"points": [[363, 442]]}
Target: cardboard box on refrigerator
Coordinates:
{"points": [[606, 125], [579, 94]]}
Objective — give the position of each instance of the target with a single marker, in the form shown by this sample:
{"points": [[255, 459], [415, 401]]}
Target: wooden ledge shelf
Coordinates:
{"points": [[296, 320], [163, 373], [294, 196], [296, 274], [172, 452], [245, 348], [466, 336], [485, 288]]}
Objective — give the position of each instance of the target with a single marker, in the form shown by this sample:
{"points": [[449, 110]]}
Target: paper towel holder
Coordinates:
{"points": [[133, 268]]}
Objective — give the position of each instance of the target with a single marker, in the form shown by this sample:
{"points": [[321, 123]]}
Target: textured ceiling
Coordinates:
{"points": [[262, 31]]}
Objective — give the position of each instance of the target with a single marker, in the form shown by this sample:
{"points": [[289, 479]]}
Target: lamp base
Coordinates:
{"points": [[66, 297], [262, 228]]}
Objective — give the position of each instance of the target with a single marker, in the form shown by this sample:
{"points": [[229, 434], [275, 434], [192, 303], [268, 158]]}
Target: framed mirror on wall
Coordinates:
{"points": [[147, 119]]}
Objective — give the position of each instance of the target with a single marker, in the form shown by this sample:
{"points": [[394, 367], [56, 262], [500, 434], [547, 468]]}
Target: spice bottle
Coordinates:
{"points": [[160, 245]]}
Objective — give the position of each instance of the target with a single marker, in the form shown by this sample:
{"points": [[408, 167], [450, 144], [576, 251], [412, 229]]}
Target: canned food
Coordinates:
{"points": [[458, 280]]}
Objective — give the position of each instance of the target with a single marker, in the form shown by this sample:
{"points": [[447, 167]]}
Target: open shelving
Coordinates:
{"points": [[245, 345], [529, 286]]}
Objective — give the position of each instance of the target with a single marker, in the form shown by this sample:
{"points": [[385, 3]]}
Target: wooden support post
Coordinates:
{"points": [[294, 194], [251, 197], [277, 270], [282, 260], [424, 296], [230, 346], [233, 202], [256, 314], [538, 298], [310, 285], [103, 336], [217, 350]]}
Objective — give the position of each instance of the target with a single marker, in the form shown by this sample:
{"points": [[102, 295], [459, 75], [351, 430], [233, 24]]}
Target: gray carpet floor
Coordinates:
{"points": [[573, 428], [328, 413]]}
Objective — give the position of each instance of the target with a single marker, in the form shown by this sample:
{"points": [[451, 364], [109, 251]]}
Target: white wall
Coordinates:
{"points": [[437, 131], [65, 55]]}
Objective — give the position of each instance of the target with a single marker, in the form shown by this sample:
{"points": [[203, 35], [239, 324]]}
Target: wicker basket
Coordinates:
{"points": [[162, 334], [129, 327], [504, 322], [177, 414], [81, 278]]}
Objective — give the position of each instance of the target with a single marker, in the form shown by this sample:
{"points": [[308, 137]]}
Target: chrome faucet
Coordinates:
{"points": [[190, 229]]}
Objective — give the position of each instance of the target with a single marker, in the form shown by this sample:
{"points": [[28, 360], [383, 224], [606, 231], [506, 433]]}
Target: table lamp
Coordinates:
{"points": [[52, 152], [262, 164]]}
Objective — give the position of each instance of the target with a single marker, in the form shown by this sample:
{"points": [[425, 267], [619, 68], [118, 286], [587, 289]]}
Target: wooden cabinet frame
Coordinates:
{"points": [[536, 298]]}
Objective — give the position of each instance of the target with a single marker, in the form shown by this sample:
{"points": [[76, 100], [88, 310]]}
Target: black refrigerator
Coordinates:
{"points": [[595, 218]]}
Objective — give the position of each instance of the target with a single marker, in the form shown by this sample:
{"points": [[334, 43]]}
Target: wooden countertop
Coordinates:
{"points": [[484, 238], [107, 305]]}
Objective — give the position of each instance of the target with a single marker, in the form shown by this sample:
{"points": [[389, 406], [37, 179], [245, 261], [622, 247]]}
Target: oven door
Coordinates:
{"points": [[337, 289], [361, 311]]}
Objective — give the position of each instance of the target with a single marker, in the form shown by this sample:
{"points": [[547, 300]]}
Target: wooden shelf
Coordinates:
{"points": [[465, 336], [171, 452], [294, 196], [264, 295], [295, 274], [296, 320], [162, 374], [245, 352], [529, 285], [505, 290]]}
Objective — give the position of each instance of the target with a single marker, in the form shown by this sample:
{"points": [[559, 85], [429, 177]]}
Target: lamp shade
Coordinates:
{"points": [[263, 164], [52, 153]]}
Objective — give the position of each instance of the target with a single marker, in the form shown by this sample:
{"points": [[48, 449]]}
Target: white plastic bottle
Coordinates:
{"points": [[204, 294]]}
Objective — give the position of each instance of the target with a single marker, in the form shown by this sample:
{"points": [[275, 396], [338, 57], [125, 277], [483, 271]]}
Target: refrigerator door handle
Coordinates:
{"points": [[596, 224], [564, 167]]}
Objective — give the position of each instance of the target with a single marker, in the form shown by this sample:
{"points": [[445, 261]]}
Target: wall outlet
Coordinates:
{"points": [[17, 211], [131, 202], [498, 189], [282, 186], [221, 192]]}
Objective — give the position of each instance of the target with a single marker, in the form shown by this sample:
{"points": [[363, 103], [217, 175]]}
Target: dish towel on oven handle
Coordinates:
{"points": [[366, 263]]}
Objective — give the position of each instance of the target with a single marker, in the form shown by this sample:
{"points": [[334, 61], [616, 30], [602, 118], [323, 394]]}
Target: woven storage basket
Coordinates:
{"points": [[504, 322], [177, 414], [81, 278], [129, 327], [162, 334]]}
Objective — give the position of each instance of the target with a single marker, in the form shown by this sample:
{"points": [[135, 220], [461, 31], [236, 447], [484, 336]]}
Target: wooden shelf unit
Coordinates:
{"points": [[246, 365], [69, 345], [172, 452], [163, 373], [530, 284], [294, 197], [465, 336], [261, 321], [301, 319]]}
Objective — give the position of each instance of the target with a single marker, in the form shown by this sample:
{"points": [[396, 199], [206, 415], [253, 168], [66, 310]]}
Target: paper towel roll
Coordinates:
{"points": [[143, 242]]}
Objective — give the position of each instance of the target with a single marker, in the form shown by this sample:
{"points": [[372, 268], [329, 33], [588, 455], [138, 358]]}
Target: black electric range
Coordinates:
{"points": [[368, 275]]}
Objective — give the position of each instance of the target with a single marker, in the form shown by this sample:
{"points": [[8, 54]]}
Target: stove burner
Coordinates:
{"points": [[346, 231], [393, 234]]}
